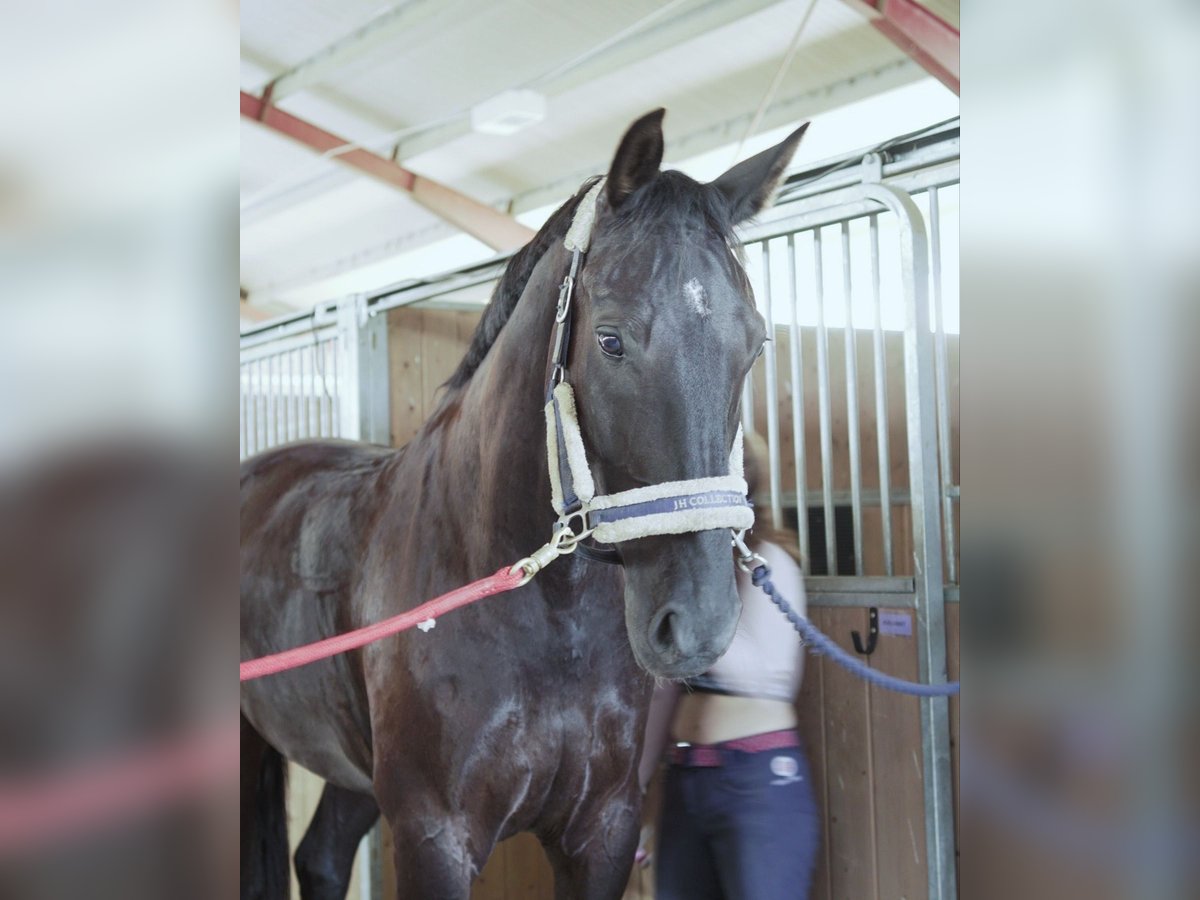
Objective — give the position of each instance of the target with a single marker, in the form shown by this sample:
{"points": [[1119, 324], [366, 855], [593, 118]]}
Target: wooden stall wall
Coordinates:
{"points": [[863, 742]]}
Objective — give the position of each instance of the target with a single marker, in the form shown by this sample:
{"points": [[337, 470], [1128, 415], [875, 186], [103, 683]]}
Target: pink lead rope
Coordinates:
{"points": [[429, 612]]}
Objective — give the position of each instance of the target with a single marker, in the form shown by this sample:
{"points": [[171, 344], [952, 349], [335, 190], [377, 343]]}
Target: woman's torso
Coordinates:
{"points": [[757, 679]]}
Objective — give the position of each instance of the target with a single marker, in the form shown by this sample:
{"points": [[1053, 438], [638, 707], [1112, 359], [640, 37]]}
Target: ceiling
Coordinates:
{"points": [[402, 79]]}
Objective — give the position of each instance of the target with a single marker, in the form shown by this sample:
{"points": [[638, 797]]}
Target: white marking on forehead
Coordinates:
{"points": [[697, 298]]}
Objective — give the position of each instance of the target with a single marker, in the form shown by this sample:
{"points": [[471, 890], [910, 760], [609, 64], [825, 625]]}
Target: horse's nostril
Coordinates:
{"points": [[663, 633]]}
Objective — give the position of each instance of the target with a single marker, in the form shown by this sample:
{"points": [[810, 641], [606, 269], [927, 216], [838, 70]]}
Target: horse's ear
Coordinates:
{"points": [[638, 157], [750, 185]]}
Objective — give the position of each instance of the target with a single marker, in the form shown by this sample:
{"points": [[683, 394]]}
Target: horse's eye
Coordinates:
{"points": [[610, 344], [761, 349]]}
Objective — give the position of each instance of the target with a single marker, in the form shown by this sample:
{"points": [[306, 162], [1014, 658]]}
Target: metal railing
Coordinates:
{"points": [[290, 391], [807, 264]]}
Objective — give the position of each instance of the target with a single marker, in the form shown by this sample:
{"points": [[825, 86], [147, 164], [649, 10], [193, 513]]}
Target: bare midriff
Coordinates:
{"points": [[711, 718]]}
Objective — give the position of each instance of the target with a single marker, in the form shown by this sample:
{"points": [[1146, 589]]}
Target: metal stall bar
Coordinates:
{"points": [[335, 397], [772, 392], [941, 360], [318, 392], [323, 391], [260, 410], [306, 389], [372, 377], [748, 403], [272, 414], [247, 375], [292, 410], [881, 404], [298, 392], [273, 400], [329, 370], [280, 390], [798, 457], [852, 423], [824, 412], [241, 412], [927, 546], [251, 409]]}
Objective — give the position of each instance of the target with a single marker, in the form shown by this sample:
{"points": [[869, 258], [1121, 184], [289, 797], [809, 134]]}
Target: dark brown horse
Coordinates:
{"points": [[523, 712]]}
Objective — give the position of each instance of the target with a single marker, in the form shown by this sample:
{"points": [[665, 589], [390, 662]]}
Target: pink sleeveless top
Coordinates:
{"points": [[765, 657]]}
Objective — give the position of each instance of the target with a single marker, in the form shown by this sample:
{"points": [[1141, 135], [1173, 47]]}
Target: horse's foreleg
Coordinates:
{"points": [[325, 858], [597, 866], [432, 857]]}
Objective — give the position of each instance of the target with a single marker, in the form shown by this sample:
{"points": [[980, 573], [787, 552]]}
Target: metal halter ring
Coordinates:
{"points": [[747, 559], [565, 536]]}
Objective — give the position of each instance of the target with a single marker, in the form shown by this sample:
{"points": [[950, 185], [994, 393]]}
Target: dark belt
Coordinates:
{"points": [[709, 755]]}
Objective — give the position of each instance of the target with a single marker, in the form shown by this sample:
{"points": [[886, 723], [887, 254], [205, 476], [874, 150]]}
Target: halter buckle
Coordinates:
{"points": [[564, 299]]}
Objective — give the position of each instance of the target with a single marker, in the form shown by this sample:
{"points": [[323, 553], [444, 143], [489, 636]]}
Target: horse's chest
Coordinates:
{"points": [[543, 761]]}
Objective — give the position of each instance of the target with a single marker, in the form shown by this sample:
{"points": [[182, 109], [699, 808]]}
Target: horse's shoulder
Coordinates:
{"points": [[317, 493]]}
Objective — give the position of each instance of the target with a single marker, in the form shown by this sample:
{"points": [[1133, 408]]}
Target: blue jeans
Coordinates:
{"points": [[746, 830]]}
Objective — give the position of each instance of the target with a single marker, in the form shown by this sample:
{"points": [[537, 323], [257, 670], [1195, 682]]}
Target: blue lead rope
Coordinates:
{"points": [[823, 645]]}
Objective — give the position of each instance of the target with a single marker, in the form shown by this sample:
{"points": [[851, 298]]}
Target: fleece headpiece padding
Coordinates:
{"points": [[671, 507]]}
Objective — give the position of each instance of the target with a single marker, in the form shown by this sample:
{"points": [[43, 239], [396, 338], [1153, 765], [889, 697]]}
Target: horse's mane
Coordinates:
{"points": [[512, 284], [670, 197]]}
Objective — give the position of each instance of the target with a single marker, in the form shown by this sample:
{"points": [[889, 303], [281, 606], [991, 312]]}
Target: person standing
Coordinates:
{"points": [[739, 818]]}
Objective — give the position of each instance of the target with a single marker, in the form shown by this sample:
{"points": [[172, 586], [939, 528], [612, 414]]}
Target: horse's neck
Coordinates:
{"points": [[496, 459]]}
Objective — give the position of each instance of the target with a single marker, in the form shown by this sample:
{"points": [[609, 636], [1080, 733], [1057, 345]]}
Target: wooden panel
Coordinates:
{"points": [[899, 781], [527, 874], [441, 349], [387, 861], [467, 322], [810, 709], [491, 883], [848, 766], [404, 374], [517, 868]]}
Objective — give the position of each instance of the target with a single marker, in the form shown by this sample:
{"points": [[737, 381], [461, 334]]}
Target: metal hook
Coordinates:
{"points": [[872, 634]]}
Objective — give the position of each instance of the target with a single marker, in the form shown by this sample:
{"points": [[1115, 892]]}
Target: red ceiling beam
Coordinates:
{"points": [[492, 227], [928, 39]]}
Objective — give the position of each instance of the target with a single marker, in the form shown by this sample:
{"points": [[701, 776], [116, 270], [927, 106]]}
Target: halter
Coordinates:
{"points": [[670, 507]]}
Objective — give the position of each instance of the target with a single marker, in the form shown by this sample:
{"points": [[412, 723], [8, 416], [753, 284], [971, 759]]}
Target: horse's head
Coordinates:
{"points": [[665, 334]]}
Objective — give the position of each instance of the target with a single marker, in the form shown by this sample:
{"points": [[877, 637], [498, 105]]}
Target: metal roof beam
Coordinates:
{"points": [[494, 228], [925, 37], [783, 111]]}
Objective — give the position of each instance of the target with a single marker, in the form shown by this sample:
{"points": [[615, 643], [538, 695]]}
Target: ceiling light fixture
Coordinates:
{"points": [[508, 112]]}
